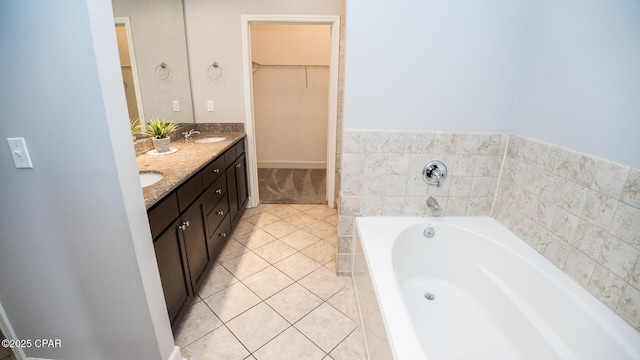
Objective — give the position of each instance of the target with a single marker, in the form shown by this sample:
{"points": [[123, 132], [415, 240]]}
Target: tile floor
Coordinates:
{"points": [[5, 353], [274, 294]]}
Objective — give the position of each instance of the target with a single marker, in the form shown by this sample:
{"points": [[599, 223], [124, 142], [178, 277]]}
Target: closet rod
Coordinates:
{"points": [[291, 65]]}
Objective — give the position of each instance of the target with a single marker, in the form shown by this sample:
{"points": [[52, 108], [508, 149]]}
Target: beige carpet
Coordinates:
{"points": [[292, 186]]}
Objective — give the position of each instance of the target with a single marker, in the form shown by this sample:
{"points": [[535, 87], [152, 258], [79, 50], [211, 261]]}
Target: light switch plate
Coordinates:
{"points": [[210, 105], [176, 105], [20, 153]]}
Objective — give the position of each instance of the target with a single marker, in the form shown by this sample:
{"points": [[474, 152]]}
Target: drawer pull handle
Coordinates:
{"points": [[215, 170], [184, 225], [238, 165], [218, 191], [223, 234], [220, 212]]}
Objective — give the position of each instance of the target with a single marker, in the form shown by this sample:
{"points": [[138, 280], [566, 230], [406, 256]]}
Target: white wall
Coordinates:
{"points": [[293, 44], [562, 72], [433, 65], [76, 255], [581, 85], [214, 34], [289, 100]]}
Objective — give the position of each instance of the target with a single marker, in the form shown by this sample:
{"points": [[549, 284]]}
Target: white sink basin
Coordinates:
{"points": [[209, 140], [150, 177]]}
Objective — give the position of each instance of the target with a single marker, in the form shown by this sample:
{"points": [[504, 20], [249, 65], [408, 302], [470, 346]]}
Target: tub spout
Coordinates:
{"points": [[433, 203]]}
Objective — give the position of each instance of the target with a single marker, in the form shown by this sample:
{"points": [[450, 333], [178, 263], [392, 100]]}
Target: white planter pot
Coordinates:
{"points": [[161, 145]]}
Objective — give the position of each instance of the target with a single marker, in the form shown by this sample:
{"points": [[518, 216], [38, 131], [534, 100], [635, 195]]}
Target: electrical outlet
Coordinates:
{"points": [[176, 105], [210, 105]]}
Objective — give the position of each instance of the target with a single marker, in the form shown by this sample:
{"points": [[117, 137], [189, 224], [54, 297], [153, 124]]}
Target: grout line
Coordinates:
{"points": [[294, 281], [504, 159]]}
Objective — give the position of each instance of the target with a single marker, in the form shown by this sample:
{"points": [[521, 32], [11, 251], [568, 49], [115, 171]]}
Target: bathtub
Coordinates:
{"points": [[474, 291]]}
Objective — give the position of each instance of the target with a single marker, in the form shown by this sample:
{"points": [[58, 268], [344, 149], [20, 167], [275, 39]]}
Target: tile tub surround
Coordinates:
{"points": [[273, 293], [579, 211], [381, 174]]}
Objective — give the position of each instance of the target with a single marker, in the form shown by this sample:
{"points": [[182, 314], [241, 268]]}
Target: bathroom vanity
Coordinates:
{"points": [[193, 210]]}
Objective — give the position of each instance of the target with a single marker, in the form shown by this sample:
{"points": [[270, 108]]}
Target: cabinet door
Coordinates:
{"points": [[241, 182], [232, 192], [175, 281], [237, 188], [195, 240]]}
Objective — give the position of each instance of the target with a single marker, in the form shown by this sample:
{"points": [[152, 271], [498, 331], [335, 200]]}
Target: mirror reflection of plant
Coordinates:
{"points": [[136, 128], [160, 128]]}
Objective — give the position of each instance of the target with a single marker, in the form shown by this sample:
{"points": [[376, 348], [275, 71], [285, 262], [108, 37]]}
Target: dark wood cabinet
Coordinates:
{"points": [[195, 240], [237, 184], [176, 283], [191, 224]]}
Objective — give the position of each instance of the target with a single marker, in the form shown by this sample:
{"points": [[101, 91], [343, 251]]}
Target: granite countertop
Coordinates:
{"points": [[179, 166]]}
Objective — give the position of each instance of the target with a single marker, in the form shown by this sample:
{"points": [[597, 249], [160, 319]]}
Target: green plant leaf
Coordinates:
{"points": [[160, 129]]}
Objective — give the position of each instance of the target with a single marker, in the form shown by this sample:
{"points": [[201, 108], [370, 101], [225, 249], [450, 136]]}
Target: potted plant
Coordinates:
{"points": [[159, 131]]}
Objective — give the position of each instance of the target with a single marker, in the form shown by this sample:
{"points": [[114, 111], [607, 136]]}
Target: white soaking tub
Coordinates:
{"points": [[474, 291]]}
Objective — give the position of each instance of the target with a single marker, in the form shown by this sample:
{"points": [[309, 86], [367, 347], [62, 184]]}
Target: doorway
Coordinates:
{"points": [[290, 108], [291, 66], [129, 70]]}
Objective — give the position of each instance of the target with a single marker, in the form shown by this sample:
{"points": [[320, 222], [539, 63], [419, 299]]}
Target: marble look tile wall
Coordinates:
{"points": [[381, 174], [580, 212]]}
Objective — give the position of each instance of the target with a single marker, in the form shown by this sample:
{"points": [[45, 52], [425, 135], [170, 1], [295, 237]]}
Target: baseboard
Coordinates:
{"points": [[292, 164], [176, 354]]}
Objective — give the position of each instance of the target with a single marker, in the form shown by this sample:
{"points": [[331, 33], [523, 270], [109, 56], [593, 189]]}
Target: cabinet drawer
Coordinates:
{"points": [[163, 214], [239, 148], [215, 217], [230, 155], [234, 152], [214, 193], [212, 171], [189, 191], [217, 241]]}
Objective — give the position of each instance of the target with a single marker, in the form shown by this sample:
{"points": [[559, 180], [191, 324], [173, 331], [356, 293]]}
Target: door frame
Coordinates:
{"points": [[252, 163], [124, 21], [8, 332]]}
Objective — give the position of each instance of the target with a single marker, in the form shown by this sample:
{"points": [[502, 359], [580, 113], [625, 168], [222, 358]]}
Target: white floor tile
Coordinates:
{"points": [[274, 251], [267, 282], [326, 326], [219, 344], [291, 344], [352, 348], [300, 239], [257, 326], [217, 278], [232, 301], [297, 266], [245, 265], [280, 228], [324, 283], [198, 321], [255, 239], [294, 302], [250, 297]]}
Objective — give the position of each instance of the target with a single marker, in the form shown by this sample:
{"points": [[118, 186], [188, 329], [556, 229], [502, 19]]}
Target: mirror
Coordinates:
{"points": [[129, 69], [158, 59]]}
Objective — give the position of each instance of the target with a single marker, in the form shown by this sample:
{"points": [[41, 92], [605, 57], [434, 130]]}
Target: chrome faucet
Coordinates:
{"points": [[188, 135], [433, 203]]}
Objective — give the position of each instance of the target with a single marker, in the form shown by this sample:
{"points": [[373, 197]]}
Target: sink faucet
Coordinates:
{"points": [[433, 203], [188, 135]]}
